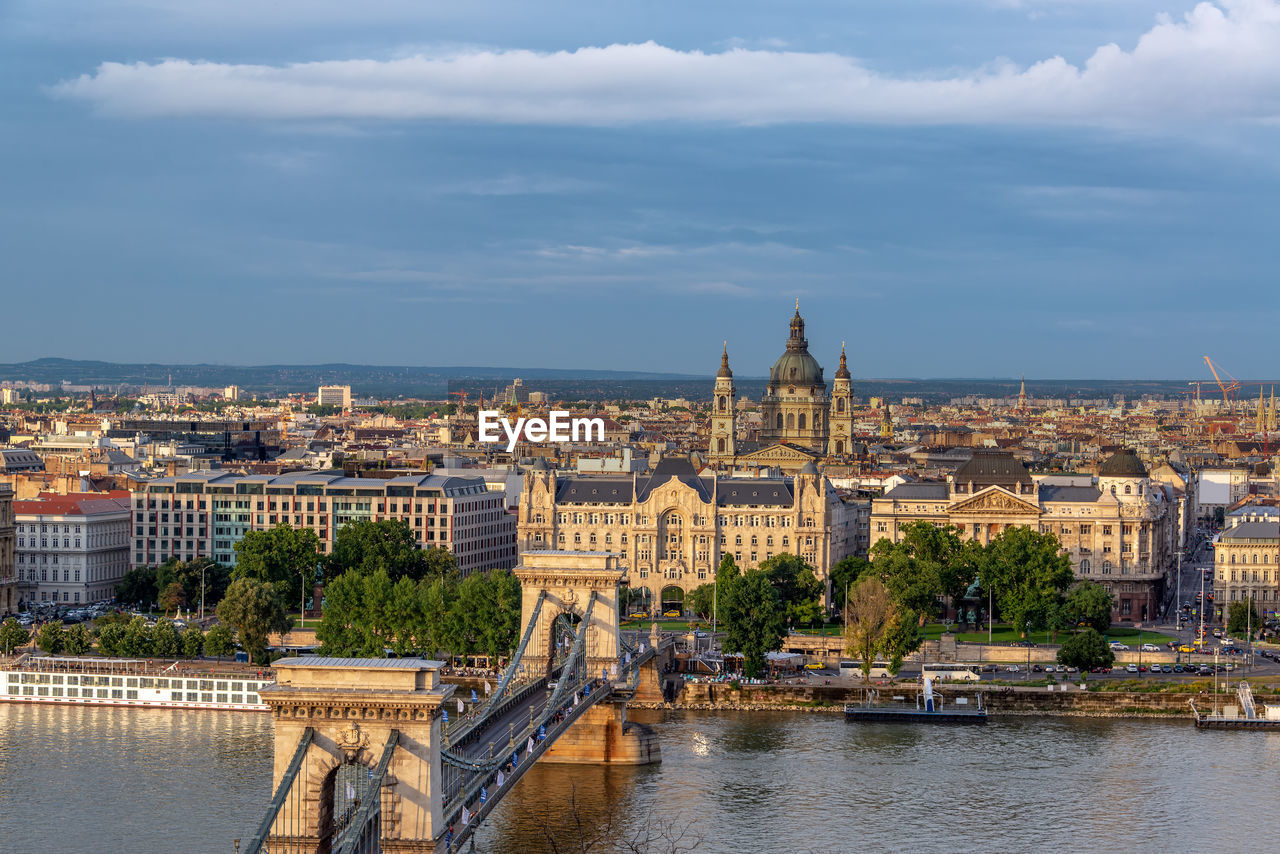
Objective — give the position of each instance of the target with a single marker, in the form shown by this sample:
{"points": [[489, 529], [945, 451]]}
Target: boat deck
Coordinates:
{"points": [[906, 714]]}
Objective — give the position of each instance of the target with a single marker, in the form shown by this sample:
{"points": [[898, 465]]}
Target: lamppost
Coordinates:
{"points": [[204, 564], [1028, 649]]}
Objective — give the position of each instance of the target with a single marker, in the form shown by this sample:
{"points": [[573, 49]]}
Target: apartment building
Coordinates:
{"points": [[72, 548], [334, 395], [204, 514]]}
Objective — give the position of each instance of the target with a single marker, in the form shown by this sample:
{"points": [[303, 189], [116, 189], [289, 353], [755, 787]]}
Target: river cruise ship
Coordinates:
{"points": [[135, 683]]}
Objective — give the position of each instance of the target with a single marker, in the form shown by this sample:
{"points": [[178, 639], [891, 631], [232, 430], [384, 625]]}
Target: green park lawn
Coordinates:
{"points": [[1004, 633]]}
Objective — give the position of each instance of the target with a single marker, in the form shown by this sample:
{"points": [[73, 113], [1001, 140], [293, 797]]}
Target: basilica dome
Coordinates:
{"points": [[796, 366]]}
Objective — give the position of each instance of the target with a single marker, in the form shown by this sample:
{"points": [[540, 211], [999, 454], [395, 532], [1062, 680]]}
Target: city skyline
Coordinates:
{"points": [[1049, 188]]}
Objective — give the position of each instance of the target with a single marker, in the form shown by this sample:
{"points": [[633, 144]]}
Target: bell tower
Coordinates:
{"points": [[841, 418], [723, 412]]}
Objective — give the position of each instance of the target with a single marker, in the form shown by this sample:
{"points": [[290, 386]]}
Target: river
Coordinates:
{"points": [[108, 780]]}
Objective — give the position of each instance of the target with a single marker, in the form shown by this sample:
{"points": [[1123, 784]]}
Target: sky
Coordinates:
{"points": [[954, 188]]}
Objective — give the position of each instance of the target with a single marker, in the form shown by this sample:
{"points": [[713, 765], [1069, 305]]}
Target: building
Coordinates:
{"points": [[14, 460], [231, 392], [334, 395], [671, 527], [1121, 530], [229, 439], [9, 594], [800, 422], [73, 548], [1246, 556], [204, 514]]}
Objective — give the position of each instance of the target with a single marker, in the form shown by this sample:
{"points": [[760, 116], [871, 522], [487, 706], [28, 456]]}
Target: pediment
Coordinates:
{"points": [[779, 454], [994, 499]]}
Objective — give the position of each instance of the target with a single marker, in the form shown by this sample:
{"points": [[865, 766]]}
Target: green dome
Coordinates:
{"points": [[796, 366], [1123, 463]]}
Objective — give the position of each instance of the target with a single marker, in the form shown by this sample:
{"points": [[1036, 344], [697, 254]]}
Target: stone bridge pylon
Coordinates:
{"points": [[566, 582]]}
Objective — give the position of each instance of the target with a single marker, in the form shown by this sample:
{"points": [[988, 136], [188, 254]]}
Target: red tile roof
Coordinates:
{"points": [[74, 504]]}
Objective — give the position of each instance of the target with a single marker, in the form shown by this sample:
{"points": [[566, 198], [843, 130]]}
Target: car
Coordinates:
{"points": [[1013, 668], [699, 634], [1131, 668], [814, 665], [1186, 648], [1035, 668], [1142, 668], [1071, 669], [1166, 668], [1150, 647], [990, 668], [1205, 670], [673, 613], [1177, 668], [640, 615], [1049, 668], [1116, 646]]}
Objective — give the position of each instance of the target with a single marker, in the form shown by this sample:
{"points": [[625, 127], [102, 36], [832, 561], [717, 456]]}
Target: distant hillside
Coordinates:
{"points": [[389, 381]]}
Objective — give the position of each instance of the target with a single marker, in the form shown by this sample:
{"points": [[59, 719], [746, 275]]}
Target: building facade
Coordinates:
{"points": [[1246, 558], [204, 514], [9, 592], [72, 549], [670, 528], [1120, 530], [334, 395]]}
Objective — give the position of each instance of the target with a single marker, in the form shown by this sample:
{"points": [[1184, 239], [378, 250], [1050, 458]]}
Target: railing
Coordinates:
{"points": [[282, 793]]}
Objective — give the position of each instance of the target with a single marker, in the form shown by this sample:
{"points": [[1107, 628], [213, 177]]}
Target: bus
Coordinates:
{"points": [[951, 672], [879, 669]]}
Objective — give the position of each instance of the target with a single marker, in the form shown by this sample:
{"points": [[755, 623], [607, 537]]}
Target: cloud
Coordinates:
{"points": [[1220, 61]]}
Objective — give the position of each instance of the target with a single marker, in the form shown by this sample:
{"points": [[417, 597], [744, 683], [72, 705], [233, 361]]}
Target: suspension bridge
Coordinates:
{"points": [[378, 755]]}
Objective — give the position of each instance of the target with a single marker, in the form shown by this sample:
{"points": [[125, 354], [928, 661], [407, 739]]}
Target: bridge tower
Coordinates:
{"points": [[345, 729], [568, 580]]}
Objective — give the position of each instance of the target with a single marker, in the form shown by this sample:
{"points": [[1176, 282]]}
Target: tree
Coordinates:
{"points": [[869, 616], [136, 641], [111, 638], [843, 574], [165, 642], [1086, 649], [281, 556], [219, 643], [347, 626], [753, 619], [51, 637], [903, 637], [440, 563], [1027, 572], [254, 609], [13, 636], [78, 640], [192, 642], [701, 601], [1239, 619], [799, 589], [138, 587], [435, 609], [172, 597], [364, 547], [1089, 603]]}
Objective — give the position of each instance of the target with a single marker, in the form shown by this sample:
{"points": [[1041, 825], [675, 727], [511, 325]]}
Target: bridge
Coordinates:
{"points": [[376, 755]]}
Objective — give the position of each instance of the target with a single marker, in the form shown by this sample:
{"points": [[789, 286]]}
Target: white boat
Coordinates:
{"points": [[129, 682]]}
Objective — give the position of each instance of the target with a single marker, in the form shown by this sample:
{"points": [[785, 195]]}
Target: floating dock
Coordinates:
{"points": [[1242, 716], [928, 709]]}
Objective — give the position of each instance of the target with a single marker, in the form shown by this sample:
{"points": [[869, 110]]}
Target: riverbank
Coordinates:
{"points": [[998, 700]]}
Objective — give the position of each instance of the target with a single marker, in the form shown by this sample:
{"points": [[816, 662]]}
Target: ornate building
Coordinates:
{"points": [[1120, 530], [671, 527], [1247, 558], [8, 579], [800, 421]]}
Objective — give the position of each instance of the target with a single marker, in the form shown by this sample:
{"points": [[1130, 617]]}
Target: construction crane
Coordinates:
{"points": [[461, 394], [1227, 389]]}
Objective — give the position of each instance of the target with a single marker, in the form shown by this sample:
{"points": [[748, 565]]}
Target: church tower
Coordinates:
{"points": [[1022, 395], [841, 419], [723, 412]]}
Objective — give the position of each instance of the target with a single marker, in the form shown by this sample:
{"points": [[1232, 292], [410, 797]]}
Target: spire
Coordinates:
{"points": [[842, 372], [797, 341], [1022, 393], [724, 363]]}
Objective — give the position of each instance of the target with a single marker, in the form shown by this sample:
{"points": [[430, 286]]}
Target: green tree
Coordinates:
{"points": [[172, 597], [165, 642], [13, 636], [282, 557], [51, 637], [77, 640], [111, 638], [364, 547], [798, 588], [869, 617], [345, 628], [254, 609], [902, 638], [1086, 649], [843, 575], [138, 587], [435, 608], [219, 643], [1240, 619], [1088, 603], [1027, 572], [753, 620], [702, 601], [136, 642], [192, 642]]}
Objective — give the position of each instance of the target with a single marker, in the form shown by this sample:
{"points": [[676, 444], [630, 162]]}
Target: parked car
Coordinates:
{"points": [[990, 668], [1013, 668], [1049, 668], [1150, 647], [1166, 668], [1035, 668], [672, 614], [1131, 668]]}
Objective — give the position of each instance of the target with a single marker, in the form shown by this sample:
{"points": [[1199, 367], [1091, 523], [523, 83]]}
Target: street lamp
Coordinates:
{"points": [[1028, 649]]}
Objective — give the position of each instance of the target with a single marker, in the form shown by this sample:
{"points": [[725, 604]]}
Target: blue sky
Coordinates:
{"points": [[1061, 188]]}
